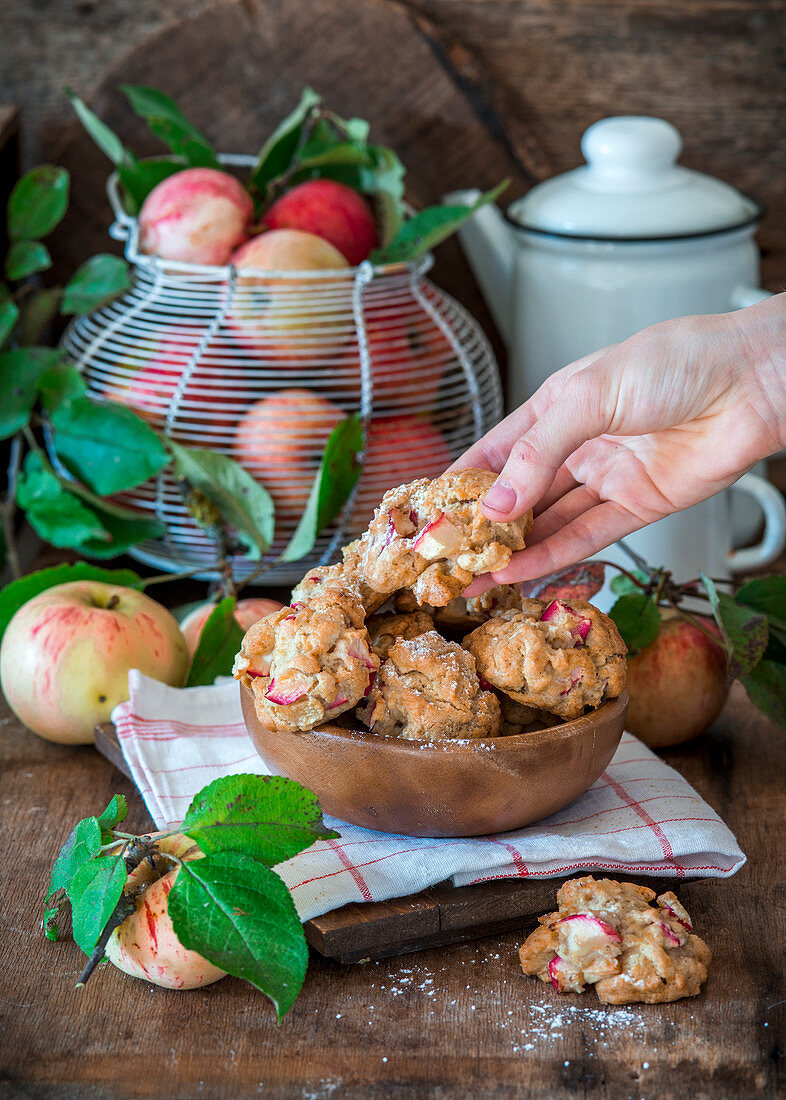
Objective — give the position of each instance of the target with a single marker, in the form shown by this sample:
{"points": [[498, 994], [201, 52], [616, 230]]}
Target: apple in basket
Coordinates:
{"points": [[295, 320], [408, 353], [280, 441], [677, 684], [247, 612], [198, 216], [146, 382], [145, 944], [329, 210], [66, 655]]}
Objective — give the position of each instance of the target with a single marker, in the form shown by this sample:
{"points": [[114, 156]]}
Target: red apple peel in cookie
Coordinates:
{"points": [[676, 911], [554, 974], [283, 697], [560, 614], [438, 539], [575, 679], [585, 933], [670, 936]]}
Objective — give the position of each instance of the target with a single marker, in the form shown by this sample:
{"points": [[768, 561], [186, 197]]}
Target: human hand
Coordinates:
{"points": [[635, 432]]}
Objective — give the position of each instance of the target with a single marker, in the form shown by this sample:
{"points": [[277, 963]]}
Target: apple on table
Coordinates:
{"points": [[66, 654]]}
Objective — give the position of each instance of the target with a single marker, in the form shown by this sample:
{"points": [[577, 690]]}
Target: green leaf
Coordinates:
{"points": [[624, 586], [9, 313], [277, 153], [95, 891], [767, 595], [55, 514], [270, 818], [429, 228], [122, 532], [106, 446], [38, 203], [61, 383], [743, 630], [17, 593], [240, 916], [61, 516], [82, 844], [106, 140], [25, 258], [20, 371], [48, 922], [637, 620], [140, 177], [115, 812], [244, 504], [766, 686], [95, 283], [218, 644], [335, 480], [168, 123], [38, 312]]}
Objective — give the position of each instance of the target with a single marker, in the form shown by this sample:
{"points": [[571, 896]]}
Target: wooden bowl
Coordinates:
{"points": [[447, 787]]}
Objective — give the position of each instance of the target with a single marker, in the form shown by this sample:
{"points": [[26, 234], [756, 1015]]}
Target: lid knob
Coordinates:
{"points": [[631, 145]]}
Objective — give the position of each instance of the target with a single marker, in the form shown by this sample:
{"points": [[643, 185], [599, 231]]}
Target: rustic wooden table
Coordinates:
{"points": [[453, 1021]]}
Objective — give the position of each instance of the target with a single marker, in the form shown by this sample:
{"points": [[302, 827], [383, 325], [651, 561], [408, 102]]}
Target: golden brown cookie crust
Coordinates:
{"points": [[433, 538], [385, 630], [608, 934], [428, 689], [558, 656], [344, 574], [308, 664]]}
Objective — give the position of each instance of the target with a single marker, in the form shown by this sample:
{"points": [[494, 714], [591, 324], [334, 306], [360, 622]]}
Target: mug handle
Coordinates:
{"points": [[773, 541], [742, 296]]}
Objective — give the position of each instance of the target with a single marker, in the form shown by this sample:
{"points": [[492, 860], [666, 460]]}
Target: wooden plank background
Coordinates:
{"points": [[535, 73]]}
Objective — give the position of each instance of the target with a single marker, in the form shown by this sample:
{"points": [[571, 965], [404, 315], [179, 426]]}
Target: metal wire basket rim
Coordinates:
{"points": [[126, 228]]}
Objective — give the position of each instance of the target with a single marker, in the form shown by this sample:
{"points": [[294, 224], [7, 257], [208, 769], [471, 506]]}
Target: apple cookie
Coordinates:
{"points": [[307, 663], [559, 656], [462, 615], [428, 689], [339, 575], [432, 537], [608, 934], [386, 629], [516, 718]]}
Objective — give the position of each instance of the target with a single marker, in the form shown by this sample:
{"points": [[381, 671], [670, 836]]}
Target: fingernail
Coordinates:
{"points": [[500, 497]]}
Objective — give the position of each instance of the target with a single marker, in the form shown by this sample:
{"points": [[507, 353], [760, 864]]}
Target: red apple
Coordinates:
{"points": [[145, 944], [247, 612], [280, 441], [329, 210], [297, 320], [66, 655], [408, 353], [198, 216], [677, 684], [146, 383]]}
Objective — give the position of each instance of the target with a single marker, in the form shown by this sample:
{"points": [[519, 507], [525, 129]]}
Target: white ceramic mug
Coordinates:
{"points": [[699, 539]]}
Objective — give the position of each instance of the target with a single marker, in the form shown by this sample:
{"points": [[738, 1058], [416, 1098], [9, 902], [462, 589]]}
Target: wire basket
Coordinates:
{"points": [[261, 365]]}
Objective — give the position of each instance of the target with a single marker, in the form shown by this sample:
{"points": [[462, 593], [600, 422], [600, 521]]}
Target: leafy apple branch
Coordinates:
{"points": [[227, 904]]}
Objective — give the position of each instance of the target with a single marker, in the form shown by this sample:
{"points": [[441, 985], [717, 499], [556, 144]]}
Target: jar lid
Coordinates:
{"points": [[631, 188]]}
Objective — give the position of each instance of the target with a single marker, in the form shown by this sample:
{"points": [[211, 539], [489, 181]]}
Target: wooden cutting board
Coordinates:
{"points": [[440, 915]]}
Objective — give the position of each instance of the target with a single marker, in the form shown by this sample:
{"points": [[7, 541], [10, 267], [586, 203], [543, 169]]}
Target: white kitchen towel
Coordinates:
{"points": [[640, 818]]}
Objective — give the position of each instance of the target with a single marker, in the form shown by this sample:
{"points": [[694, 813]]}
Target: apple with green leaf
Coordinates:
{"points": [[66, 654]]}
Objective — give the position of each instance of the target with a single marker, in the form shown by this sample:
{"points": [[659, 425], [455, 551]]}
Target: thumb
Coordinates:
{"points": [[578, 413]]}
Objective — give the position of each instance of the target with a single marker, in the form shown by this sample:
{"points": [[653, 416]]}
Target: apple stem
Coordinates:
{"points": [[124, 908], [112, 602]]}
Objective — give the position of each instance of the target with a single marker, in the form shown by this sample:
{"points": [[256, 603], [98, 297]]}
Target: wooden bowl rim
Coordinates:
{"points": [[575, 727]]}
